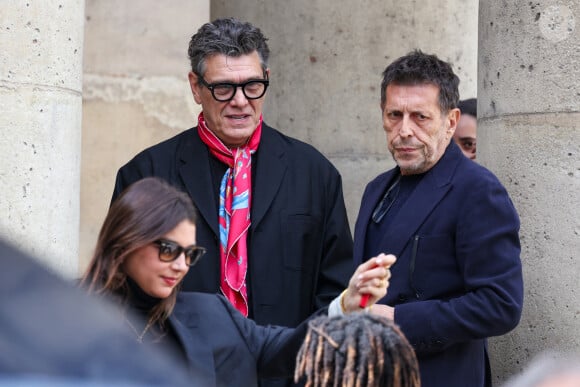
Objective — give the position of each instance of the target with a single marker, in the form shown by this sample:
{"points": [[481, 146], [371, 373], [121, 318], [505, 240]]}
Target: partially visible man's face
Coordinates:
{"points": [[465, 135], [571, 379], [417, 131], [233, 121]]}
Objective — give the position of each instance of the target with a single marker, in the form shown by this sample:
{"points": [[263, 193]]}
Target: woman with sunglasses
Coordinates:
{"points": [[146, 246]]}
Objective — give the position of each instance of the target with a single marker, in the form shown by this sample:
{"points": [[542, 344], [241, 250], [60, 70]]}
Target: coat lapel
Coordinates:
{"points": [[417, 208], [373, 195], [270, 170], [426, 196], [198, 352], [195, 173], [269, 173]]}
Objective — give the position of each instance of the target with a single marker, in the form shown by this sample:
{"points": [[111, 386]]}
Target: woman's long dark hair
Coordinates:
{"points": [[145, 211]]}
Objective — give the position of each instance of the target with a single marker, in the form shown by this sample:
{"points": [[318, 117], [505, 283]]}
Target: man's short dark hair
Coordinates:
{"points": [[468, 106], [228, 36], [417, 68]]}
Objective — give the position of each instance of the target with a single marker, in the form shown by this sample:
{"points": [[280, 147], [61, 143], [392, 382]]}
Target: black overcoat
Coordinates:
{"points": [[299, 242]]}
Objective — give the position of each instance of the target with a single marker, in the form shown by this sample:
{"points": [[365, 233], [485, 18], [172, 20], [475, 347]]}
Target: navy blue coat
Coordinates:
{"points": [[223, 348], [458, 276], [299, 242]]}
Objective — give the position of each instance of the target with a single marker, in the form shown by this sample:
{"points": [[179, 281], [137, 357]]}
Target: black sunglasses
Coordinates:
{"points": [[169, 251]]}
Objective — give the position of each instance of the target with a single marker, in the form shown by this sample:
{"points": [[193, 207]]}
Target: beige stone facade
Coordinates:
{"points": [[41, 46], [135, 92]]}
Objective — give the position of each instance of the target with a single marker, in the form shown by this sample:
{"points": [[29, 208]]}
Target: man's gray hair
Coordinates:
{"points": [[230, 37]]}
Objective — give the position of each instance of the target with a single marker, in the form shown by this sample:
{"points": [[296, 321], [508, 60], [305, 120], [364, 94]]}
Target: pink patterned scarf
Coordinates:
{"points": [[234, 211]]}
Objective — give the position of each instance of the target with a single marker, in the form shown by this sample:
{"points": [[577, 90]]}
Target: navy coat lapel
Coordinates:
{"points": [[198, 352], [417, 208], [270, 170], [371, 198], [426, 196], [196, 175]]}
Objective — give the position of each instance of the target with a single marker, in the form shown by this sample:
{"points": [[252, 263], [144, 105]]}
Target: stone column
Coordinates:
{"points": [[529, 135], [40, 101], [326, 64], [136, 91]]}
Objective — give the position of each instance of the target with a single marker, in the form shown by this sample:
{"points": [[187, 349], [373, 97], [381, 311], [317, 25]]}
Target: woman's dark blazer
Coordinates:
{"points": [[225, 349]]}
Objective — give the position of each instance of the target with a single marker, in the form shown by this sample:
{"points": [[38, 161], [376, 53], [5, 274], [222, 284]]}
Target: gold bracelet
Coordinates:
{"points": [[342, 307]]}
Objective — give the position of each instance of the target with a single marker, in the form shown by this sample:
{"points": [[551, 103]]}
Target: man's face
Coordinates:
{"points": [[417, 131], [234, 121], [465, 135]]}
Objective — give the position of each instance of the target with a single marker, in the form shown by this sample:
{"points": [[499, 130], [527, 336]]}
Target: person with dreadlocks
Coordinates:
{"points": [[358, 349]]}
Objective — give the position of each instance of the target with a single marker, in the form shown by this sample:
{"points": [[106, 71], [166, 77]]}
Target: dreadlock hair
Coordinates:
{"points": [[356, 350]]}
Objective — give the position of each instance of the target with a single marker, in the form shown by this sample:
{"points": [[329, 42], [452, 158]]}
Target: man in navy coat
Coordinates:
{"points": [[451, 224], [290, 253]]}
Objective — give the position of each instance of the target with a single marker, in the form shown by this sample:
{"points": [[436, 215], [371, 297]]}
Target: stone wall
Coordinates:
{"points": [[326, 64], [41, 46], [135, 92], [529, 135]]}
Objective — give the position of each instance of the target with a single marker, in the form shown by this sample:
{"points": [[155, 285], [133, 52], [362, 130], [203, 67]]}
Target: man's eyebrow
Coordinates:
{"points": [[251, 78]]}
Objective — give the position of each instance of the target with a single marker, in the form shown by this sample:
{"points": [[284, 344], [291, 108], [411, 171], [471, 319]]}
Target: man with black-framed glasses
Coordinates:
{"points": [[272, 213]]}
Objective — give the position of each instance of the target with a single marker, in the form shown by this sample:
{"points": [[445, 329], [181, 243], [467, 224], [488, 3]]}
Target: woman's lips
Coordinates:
{"points": [[171, 281]]}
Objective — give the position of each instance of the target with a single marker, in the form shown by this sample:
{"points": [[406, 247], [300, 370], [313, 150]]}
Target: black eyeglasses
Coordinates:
{"points": [[169, 251], [225, 91]]}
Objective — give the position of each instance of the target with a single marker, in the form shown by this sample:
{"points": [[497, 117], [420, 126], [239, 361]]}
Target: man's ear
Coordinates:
{"points": [[452, 120], [195, 87]]}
